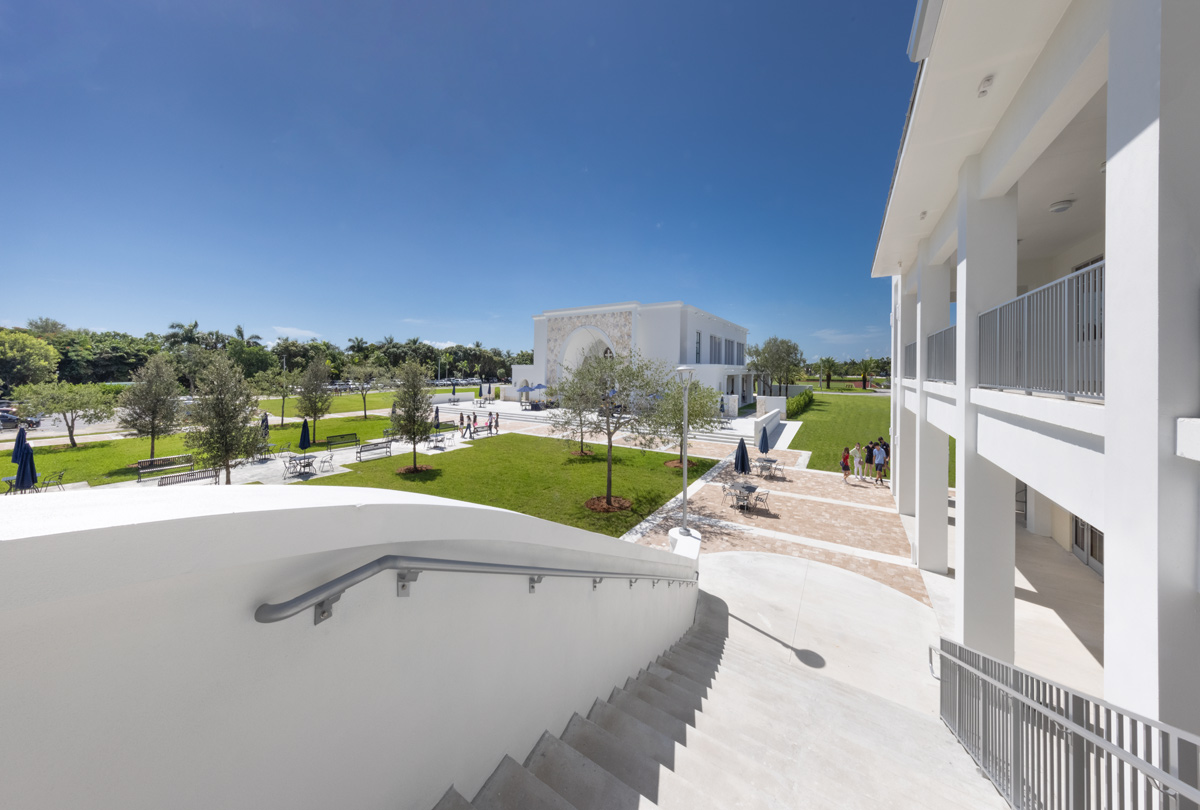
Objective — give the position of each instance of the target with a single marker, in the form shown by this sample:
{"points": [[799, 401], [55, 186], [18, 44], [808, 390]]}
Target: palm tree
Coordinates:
{"points": [[240, 334], [181, 333], [825, 368], [358, 348]]}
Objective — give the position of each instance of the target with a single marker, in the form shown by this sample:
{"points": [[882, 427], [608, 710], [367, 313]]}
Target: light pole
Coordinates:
{"points": [[685, 377]]}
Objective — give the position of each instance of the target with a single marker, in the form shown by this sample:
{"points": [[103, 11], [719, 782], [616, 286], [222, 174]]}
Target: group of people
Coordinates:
{"points": [[467, 425], [877, 452]]}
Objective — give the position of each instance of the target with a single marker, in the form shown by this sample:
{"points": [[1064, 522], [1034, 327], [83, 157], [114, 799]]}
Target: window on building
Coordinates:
{"points": [[741, 354], [714, 349], [729, 352], [608, 352], [697, 347]]}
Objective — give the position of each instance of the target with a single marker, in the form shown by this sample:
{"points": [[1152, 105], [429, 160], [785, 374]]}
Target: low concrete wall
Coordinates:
{"points": [[764, 405], [135, 675], [770, 421]]}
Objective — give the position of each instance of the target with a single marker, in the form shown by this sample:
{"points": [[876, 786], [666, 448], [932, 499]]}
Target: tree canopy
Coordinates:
{"points": [[151, 407], [413, 412], [88, 401], [313, 397], [25, 359], [223, 414]]}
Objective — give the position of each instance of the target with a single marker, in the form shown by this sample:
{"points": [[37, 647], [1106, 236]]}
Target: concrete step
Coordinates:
{"points": [[678, 679], [453, 800], [511, 787], [578, 779], [638, 736]]}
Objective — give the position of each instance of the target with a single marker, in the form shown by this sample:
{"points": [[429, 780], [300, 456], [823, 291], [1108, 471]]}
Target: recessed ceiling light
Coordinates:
{"points": [[923, 214], [1103, 166], [1060, 206], [985, 85]]}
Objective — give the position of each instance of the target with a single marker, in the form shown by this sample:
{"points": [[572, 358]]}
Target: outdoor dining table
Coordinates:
{"points": [[11, 480], [742, 492], [764, 464]]}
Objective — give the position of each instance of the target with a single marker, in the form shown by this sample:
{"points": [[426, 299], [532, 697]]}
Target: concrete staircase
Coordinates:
{"points": [[691, 731]]}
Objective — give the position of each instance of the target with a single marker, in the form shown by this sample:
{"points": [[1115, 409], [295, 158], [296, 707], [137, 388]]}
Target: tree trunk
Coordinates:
{"points": [[152, 444], [228, 471], [282, 409], [414, 457], [70, 423], [608, 493], [364, 396]]}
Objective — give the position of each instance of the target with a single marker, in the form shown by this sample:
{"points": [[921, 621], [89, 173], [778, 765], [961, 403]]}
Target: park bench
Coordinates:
{"points": [[183, 478], [151, 465], [385, 446], [340, 439]]}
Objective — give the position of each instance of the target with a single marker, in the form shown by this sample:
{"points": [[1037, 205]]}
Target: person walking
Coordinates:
{"points": [[880, 461], [856, 454], [887, 449], [846, 466]]}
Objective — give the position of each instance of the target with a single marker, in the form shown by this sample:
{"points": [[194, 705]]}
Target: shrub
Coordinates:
{"points": [[799, 404]]}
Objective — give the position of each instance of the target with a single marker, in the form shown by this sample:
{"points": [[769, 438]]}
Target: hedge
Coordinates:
{"points": [[799, 404]]}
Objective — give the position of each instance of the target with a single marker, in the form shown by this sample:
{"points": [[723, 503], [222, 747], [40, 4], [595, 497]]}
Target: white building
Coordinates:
{"points": [[672, 332], [1041, 231]]}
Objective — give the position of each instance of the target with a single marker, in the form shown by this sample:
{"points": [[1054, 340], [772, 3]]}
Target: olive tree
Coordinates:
{"points": [[703, 412], [91, 402], [276, 382], [150, 407], [313, 397], [226, 430], [362, 378], [576, 402], [412, 411]]}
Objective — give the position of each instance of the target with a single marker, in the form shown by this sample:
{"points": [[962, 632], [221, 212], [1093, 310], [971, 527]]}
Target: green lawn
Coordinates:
{"points": [[352, 403], [110, 461], [834, 422], [532, 475]]}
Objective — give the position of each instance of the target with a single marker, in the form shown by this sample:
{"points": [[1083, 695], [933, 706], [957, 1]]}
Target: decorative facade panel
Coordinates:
{"points": [[617, 327]]}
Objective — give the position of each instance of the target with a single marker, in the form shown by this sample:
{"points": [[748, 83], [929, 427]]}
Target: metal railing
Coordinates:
{"points": [[1049, 340], [910, 361], [322, 597], [1048, 747], [941, 353]]}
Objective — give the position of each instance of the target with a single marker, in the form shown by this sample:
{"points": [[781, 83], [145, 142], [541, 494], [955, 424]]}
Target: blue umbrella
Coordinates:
{"points": [[538, 387], [26, 471], [489, 389], [453, 388], [304, 442], [741, 459], [18, 446], [524, 389], [437, 416], [764, 444]]}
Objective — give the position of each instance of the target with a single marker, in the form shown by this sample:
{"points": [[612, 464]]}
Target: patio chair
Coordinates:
{"points": [[326, 462], [291, 465], [53, 480], [760, 497], [726, 492]]}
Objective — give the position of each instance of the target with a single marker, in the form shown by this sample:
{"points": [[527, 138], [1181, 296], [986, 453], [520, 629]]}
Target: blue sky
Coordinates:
{"points": [[448, 169]]}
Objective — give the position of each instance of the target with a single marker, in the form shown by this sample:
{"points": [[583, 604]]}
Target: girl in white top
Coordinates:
{"points": [[856, 454]]}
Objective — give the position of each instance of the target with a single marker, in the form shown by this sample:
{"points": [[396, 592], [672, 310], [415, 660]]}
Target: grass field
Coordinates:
{"points": [[351, 403], [834, 422], [532, 475], [110, 461]]}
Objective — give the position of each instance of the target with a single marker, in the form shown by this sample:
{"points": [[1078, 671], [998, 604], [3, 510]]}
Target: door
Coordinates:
{"points": [[1088, 545]]}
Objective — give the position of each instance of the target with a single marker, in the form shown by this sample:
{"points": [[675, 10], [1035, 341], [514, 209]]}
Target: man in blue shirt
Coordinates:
{"points": [[880, 460]]}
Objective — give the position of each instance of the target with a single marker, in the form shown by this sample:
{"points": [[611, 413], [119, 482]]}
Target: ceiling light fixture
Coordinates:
{"points": [[1060, 206], [923, 214], [985, 85]]}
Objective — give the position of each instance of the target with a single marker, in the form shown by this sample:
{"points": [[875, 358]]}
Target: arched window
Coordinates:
{"points": [[608, 353]]}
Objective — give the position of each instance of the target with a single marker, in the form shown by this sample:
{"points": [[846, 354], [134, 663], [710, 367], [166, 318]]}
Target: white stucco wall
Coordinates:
{"points": [[135, 675]]}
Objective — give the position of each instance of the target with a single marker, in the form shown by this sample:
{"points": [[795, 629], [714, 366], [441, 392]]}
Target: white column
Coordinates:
{"points": [[1152, 330], [897, 402], [985, 525], [1039, 513], [904, 450], [933, 445]]}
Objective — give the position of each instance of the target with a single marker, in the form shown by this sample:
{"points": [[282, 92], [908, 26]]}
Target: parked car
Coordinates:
{"points": [[10, 421]]}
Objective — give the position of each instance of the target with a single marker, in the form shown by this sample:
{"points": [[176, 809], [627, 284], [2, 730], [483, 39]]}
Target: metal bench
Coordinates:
{"points": [[183, 478], [340, 439], [151, 465], [369, 447]]}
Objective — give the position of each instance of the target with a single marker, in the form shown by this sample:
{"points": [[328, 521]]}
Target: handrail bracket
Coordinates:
{"points": [[324, 609], [533, 583], [405, 579]]}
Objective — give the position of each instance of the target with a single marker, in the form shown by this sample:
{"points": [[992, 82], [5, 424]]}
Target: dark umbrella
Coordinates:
{"points": [[437, 416], [18, 446], [524, 389], [722, 406], [453, 388], [304, 442], [764, 444], [265, 427], [26, 471], [489, 389], [741, 459]]}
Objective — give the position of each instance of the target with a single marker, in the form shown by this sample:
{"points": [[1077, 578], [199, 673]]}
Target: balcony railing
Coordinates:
{"points": [[941, 353], [910, 361], [1050, 340], [1046, 746]]}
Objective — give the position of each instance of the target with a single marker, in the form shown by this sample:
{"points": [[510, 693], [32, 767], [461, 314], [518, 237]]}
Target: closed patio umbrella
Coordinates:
{"points": [[304, 442], [453, 388], [437, 417], [26, 471], [18, 446], [265, 426], [764, 444], [741, 459]]}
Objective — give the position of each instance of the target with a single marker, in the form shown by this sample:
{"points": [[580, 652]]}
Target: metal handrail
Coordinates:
{"points": [[322, 597], [1167, 783]]}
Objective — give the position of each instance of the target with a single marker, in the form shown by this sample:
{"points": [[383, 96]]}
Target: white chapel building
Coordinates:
{"points": [[1042, 238], [673, 332]]}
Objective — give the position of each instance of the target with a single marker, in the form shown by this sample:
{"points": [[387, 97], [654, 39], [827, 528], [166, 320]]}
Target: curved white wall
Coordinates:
{"points": [[135, 675]]}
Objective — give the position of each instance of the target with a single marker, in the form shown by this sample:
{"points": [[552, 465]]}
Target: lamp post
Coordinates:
{"points": [[685, 377]]}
